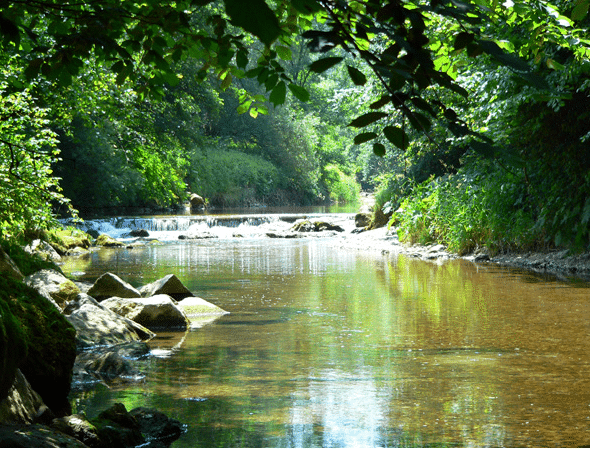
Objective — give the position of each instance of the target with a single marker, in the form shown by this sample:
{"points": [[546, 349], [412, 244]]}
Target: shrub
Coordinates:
{"points": [[342, 188]]}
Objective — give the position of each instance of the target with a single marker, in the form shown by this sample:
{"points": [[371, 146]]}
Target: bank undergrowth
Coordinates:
{"points": [[485, 206]]}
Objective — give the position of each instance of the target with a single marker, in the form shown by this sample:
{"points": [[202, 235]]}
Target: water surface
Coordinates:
{"points": [[331, 347]]}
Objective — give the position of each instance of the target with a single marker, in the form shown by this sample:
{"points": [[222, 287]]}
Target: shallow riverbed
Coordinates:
{"points": [[328, 346]]}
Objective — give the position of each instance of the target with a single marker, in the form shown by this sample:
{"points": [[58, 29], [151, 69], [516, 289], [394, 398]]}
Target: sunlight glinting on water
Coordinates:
{"points": [[330, 347]]}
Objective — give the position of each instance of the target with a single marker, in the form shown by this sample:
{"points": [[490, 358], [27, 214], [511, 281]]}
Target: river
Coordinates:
{"points": [[326, 346]]}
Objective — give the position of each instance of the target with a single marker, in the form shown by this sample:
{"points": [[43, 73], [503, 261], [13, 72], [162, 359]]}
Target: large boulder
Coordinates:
{"points": [[109, 285], [156, 313], [115, 427], [197, 201], [22, 405], [78, 427], [9, 267], [96, 325], [60, 288], [362, 220], [43, 250], [45, 343], [169, 285]]}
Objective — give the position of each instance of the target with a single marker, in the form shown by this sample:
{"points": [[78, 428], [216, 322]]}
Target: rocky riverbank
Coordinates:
{"points": [[55, 336], [560, 263]]}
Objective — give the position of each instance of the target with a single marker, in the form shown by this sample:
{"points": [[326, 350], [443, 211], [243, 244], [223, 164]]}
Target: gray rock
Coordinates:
{"points": [[96, 325], [115, 427], [60, 289], [194, 306], [77, 426], [109, 285], [169, 285], [197, 201], [155, 313], [8, 266], [35, 435], [43, 249], [362, 220], [156, 427], [22, 404]]}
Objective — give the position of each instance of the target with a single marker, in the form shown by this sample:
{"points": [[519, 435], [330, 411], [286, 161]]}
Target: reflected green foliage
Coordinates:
{"points": [[325, 347]]}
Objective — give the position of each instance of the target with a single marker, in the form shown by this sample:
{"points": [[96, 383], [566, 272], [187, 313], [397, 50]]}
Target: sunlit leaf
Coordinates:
{"points": [[284, 53]]}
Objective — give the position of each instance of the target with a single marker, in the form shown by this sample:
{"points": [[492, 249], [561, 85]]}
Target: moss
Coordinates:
{"points": [[13, 346], [51, 341], [63, 239], [27, 263]]}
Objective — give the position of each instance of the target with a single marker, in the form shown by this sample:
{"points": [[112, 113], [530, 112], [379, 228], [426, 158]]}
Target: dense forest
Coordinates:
{"points": [[469, 119]]}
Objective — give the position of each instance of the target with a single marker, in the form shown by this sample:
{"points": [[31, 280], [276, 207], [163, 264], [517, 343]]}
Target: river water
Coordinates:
{"points": [[326, 346]]}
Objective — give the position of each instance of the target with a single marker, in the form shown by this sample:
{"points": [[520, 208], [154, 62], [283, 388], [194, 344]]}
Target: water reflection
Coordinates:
{"points": [[327, 347]]}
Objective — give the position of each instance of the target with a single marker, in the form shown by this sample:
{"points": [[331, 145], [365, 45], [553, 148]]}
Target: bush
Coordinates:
{"points": [[232, 178], [342, 188], [479, 206]]}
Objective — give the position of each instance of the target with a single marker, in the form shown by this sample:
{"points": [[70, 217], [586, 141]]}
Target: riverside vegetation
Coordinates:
{"points": [[468, 119]]}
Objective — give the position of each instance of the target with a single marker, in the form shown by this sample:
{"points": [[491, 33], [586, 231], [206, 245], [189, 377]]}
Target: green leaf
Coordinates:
{"points": [[356, 76], [510, 60], [580, 10], [321, 65], [364, 137], [278, 94], [367, 119], [306, 6], [462, 40], [381, 102], [397, 136], [483, 148], [379, 149], [255, 17], [284, 53], [299, 92], [419, 122], [242, 59]]}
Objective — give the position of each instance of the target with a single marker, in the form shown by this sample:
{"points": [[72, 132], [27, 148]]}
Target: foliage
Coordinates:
{"points": [[477, 207], [228, 177], [27, 149], [342, 188]]}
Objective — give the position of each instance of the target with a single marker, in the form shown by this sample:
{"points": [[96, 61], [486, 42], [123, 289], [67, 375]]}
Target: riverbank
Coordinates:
{"points": [[560, 263]]}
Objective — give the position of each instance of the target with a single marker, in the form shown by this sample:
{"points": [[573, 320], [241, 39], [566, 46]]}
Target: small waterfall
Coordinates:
{"points": [[167, 228]]}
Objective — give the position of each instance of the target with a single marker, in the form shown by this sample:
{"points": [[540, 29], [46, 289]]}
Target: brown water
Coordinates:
{"points": [[329, 347]]}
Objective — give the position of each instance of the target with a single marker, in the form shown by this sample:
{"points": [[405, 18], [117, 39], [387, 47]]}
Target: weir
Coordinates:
{"points": [[171, 227]]}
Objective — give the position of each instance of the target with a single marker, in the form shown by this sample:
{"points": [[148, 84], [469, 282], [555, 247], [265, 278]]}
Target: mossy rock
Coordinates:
{"points": [[64, 239], [26, 262], [106, 240], [51, 342], [13, 345]]}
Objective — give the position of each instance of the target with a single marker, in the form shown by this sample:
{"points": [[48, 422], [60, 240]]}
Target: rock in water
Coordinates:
{"points": [[156, 313], [109, 285], [97, 325], [169, 285]]}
